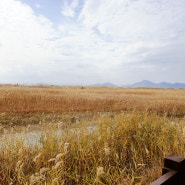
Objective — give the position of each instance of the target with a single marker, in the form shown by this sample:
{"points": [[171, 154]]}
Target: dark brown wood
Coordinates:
{"points": [[165, 170], [178, 164], [173, 172], [169, 178], [175, 163]]}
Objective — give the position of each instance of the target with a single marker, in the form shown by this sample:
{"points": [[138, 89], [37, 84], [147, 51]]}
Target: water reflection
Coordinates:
{"points": [[28, 139], [33, 138]]}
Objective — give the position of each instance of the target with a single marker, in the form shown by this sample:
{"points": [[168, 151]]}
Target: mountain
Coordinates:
{"points": [[146, 83], [106, 84]]}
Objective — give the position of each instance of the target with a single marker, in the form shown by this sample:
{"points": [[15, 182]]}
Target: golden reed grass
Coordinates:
{"points": [[122, 142], [124, 149], [21, 99]]}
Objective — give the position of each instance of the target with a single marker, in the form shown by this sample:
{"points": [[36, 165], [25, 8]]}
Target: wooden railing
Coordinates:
{"points": [[173, 172]]}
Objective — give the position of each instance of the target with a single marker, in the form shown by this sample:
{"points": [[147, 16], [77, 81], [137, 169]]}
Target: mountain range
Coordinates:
{"points": [[146, 83]]}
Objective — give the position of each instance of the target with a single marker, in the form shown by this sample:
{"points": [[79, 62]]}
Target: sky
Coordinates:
{"points": [[83, 42]]}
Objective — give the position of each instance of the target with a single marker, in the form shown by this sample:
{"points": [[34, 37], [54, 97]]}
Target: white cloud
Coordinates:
{"points": [[68, 9], [136, 30], [128, 20], [23, 35], [119, 41], [26, 40]]}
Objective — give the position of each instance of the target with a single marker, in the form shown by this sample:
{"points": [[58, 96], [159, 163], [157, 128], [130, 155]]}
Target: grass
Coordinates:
{"points": [[109, 135], [49, 99]]}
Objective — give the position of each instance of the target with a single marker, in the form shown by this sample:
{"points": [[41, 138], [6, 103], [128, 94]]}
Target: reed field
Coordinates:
{"points": [[24, 99], [88, 135]]}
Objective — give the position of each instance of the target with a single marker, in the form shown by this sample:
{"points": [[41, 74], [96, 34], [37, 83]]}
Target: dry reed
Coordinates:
{"points": [[108, 135]]}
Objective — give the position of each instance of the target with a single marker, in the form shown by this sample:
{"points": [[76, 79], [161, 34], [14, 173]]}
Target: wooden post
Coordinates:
{"points": [[173, 172], [178, 164]]}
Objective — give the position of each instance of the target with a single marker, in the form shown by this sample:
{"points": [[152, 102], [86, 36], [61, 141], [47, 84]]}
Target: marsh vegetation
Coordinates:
{"points": [[107, 135]]}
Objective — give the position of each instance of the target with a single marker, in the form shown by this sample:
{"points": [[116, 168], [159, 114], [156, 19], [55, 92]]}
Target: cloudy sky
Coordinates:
{"points": [[92, 41]]}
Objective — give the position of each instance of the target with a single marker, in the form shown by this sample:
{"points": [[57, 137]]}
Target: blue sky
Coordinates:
{"points": [[92, 41]]}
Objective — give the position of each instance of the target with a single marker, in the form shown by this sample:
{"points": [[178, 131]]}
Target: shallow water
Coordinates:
{"points": [[32, 138], [28, 139]]}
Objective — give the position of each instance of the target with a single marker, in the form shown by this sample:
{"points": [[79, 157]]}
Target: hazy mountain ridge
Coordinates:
{"points": [[146, 83], [106, 84]]}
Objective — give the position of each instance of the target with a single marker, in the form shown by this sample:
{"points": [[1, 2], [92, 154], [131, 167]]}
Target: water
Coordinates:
{"points": [[27, 139], [32, 138]]}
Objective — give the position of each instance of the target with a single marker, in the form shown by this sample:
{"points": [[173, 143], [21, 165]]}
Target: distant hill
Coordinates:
{"points": [[106, 84], [146, 83]]}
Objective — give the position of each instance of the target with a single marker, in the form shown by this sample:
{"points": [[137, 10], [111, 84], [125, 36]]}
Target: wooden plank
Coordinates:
{"points": [[165, 170], [169, 178], [174, 163]]}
